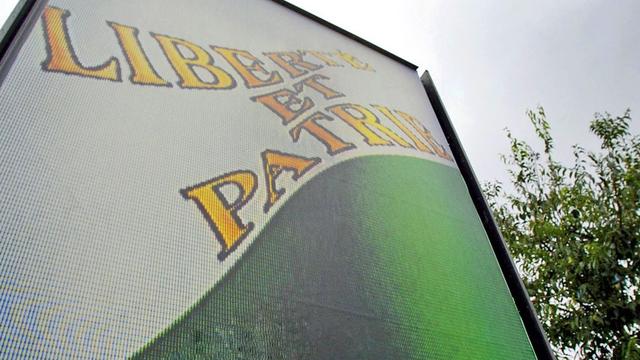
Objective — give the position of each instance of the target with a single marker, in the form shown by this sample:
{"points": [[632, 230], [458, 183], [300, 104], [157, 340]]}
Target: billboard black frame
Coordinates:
{"points": [[26, 13], [517, 289]]}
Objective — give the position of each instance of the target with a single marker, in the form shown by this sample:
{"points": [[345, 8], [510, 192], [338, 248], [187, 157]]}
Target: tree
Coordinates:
{"points": [[574, 234]]}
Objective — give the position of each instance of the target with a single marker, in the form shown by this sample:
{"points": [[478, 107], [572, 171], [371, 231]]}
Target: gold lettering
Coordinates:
{"points": [[292, 63], [354, 62], [247, 71], [185, 67], [387, 112], [61, 56], [331, 141], [222, 215], [142, 72], [285, 104], [312, 82], [362, 120], [274, 163], [324, 57], [426, 134]]}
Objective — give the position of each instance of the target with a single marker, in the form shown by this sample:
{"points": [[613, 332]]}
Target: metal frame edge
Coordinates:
{"points": [[532, 325], [15, 31], [12, 24]]}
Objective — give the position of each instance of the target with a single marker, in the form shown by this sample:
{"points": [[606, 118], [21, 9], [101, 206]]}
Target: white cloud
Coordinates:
{"points": [[6, 6]]}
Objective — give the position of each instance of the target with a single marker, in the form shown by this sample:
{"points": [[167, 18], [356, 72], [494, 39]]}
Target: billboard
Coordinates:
{"points": [[232, 180]]}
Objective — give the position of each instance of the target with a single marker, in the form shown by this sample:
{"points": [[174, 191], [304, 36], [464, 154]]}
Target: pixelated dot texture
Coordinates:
{"points": [[390, 262], [101, 256]]}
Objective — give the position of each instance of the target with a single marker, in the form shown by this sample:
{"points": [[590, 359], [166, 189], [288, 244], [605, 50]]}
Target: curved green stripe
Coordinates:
{"points": [[377, 257]]}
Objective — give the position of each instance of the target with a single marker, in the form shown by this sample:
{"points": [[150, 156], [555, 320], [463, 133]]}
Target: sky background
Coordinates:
{"points": [[6, 6], [493, 60]]}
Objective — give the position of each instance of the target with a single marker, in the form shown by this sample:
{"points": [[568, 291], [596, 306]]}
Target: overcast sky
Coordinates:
{"points": [[6, 6], [492, 60]]}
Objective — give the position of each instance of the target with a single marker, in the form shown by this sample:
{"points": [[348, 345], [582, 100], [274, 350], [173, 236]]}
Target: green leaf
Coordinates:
{"points": [[574, 231]]}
